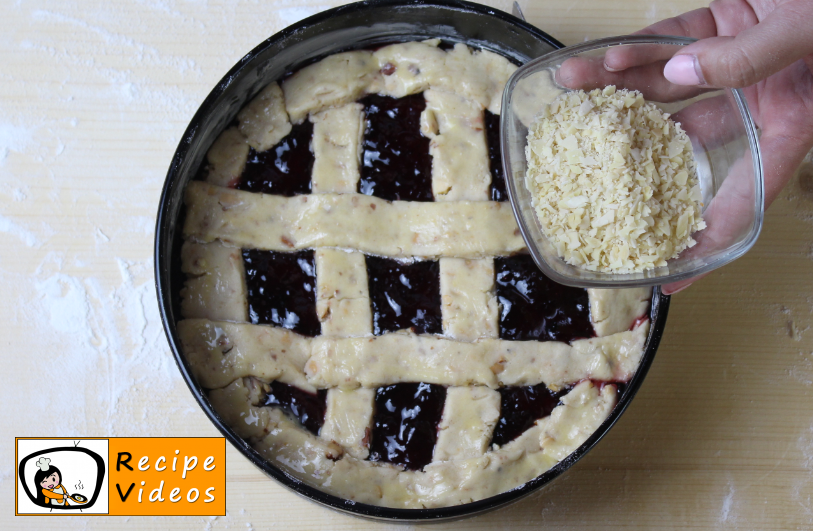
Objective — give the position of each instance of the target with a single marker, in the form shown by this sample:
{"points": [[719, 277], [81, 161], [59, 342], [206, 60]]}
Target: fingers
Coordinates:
{"points": [[736, 49], [780, 39], [728, 218], [588, 73], [733, 16], [698, 24]]}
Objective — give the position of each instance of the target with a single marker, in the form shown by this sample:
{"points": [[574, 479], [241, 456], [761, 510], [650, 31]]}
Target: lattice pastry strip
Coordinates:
{"points": [[460, 165], [342, 294], [342, 78], [264, 121], [337, 137], [463, 229], [469, 417], [236, 405], [477, 75], [215, 287], [615, 310], [296, 450], [470, 309], [409, 67], [336, 80], [394, 358], [227, 158], [220, 352], [348, 420]]}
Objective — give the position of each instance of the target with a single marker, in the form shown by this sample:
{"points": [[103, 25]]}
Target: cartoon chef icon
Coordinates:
{"points": [[48, 483]]}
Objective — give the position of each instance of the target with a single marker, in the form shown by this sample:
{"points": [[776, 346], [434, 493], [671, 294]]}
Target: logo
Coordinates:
{"points": [[62, 476], [122, 476]]}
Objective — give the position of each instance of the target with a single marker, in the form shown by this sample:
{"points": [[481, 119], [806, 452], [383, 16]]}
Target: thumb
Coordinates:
{"points": [[756, 53]]}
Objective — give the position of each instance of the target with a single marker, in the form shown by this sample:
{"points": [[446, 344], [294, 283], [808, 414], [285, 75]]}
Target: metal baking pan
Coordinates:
{"points": [[359, 25]]}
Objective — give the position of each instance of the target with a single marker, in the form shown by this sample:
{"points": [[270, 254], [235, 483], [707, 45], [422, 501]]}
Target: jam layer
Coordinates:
{"points": [[309, 408], [497, 190], [532, 306], [404, 295], [285, 169], [520, 408], [396, 164], [281, 290], [405, 423]]}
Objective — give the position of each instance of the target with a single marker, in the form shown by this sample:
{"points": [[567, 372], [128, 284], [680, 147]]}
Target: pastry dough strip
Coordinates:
{"points": [[264, 121], [337, 137], [394, 358], [467, 424], [460, 165], [342, 294], [464, 229], [398, 70], [468, 300], [215, 286], [615, 310], [221, 352], [349, 419]]}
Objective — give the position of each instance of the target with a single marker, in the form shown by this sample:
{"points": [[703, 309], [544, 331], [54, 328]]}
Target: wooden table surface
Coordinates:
{"points": [[94, 96]]}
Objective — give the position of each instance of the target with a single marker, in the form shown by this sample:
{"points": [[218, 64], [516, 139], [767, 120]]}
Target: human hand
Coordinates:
{"points": [[762, 46]]}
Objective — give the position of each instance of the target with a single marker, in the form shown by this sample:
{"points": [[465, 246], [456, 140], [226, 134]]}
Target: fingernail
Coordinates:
{"points": [[608, 68], [683, 70]]}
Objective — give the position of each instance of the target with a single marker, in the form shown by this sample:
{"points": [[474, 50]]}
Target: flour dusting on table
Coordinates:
{"points": [[95, 96]]}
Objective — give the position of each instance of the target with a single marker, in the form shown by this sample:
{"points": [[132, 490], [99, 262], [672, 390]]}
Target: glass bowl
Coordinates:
{"points": [[724, 141]]}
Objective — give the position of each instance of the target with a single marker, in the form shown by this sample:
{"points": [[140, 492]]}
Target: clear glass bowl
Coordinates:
{"points": [[719, 125]]}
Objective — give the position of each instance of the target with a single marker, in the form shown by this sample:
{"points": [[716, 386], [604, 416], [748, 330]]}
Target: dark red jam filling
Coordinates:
{"points": [[497, 189], [405, 423], [309, 408], [285, 169], [404, 295], [532, 306], [396, 164], [282, 290], [521, 407]]}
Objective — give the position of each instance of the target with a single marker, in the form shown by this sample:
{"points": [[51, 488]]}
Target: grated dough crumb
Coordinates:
{"points": [[613, 181]]}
